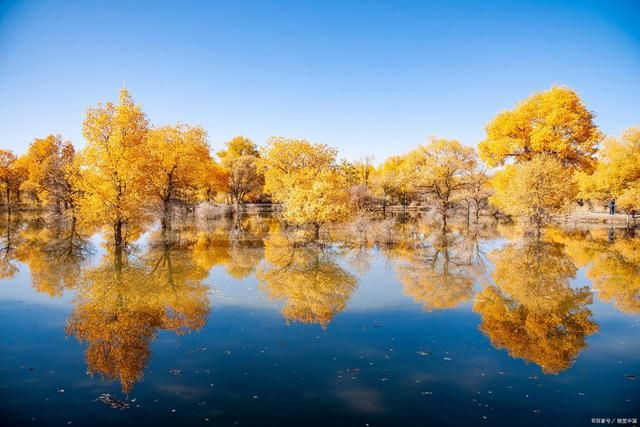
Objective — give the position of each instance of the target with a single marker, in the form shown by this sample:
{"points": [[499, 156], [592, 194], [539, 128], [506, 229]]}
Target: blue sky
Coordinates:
{"points": [[367, 77]]}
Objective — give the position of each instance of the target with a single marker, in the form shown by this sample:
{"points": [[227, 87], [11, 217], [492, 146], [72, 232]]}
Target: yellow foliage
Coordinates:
{"points": [[304, 177], [534, 189], [178, 159], [554, 122], [113, 176], [441, 170], [617, 175]]}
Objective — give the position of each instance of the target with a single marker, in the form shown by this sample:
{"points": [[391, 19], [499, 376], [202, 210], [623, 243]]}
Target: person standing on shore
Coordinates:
{"points": [[612, 207]]}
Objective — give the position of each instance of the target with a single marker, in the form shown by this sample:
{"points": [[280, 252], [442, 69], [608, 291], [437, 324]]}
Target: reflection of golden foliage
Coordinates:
{"points": [[55, 255], [124, 300], [440, 271], [535, 273], [550, 339], [613, 264], [8, 243], [314, 286], [616, 274], [532, 311]]}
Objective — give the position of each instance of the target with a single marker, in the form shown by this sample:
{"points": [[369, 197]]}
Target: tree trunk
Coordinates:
{"points": [[317, 231], [166, 214], [117, 233]]}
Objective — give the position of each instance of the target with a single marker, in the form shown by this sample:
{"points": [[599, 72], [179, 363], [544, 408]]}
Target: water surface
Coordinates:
{"points": [[227, 322]]}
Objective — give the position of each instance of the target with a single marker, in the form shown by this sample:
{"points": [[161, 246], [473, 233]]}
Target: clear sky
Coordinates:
{"points": [[368, 77]]}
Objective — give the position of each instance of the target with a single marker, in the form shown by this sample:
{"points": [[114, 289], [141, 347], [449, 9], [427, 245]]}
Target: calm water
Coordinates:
{"points": [[227, 323]]}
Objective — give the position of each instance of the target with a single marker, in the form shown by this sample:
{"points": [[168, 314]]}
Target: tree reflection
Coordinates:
{"points": [[532, 311], [55, 254], [9, 228], [439, 271], [612, 260], [125, 299], [307, 277]]}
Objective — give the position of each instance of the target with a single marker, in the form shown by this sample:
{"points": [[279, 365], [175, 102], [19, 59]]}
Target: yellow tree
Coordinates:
{"points": [[304, 177], [49, 164], [546, 138], [244, 179], [237, 147], [617, 175], [318, 200], [536, 189], [442, 169], [178, 158], [477, 191], [213, 180], [393, 179], [553, 122], [113, 174], [12, 175], [239, 160]]}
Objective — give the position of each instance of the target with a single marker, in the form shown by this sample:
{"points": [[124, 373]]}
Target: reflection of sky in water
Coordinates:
{"points": [[383, 360]]}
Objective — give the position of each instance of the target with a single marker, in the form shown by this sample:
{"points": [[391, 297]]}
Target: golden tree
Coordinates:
{"points": [[546, 137], [12, 175], [244, 179], [442, 169], [617, 174], [393, 180], [113, 176], [178, 158], [305, 178], [553, 122], [50, 166], [235, 148], [536, 189]]}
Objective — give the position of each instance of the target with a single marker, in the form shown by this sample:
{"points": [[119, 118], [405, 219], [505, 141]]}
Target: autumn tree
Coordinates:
{"points": [[304, 177], [535, 189], [178, 158], [50, 166], [442, 170], [542, 141], [214, 180], [617, 174], [12, 175], [477, 191], [553, 122], [235, 148], [244, 179], [393, 180], [239, 161], [113, 173]]}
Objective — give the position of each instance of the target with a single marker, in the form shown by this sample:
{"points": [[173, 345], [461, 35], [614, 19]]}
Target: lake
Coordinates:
{"points": [[387, 322]]}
